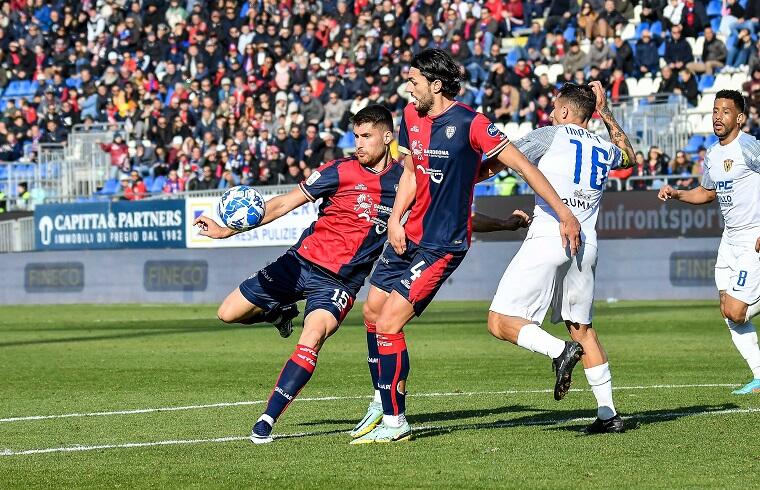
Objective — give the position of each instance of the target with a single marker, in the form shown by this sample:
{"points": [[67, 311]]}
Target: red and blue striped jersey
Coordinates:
{"points": [[447, 151], [350, 230]]}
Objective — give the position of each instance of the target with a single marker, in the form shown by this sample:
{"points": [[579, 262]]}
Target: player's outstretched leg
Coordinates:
{"points": [[522, 332], [394, 371], [298, 369], [738, 319], [237, 309], [373, 305], [597, 370]]}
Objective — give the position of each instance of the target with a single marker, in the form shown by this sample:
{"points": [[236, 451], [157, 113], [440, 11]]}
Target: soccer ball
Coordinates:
{"points": [[241, 208]]}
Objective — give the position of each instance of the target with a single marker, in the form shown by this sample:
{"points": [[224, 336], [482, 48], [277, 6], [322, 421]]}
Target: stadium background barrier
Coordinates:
{"points": [[670, 268]]}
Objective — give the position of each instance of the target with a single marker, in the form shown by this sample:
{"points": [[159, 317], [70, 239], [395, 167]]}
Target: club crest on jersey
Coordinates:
{"points": [[727, 164], [450, 130]]}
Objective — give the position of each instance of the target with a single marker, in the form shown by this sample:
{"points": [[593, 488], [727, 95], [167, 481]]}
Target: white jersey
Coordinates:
{"points": [[733, 172], [577, 164]]}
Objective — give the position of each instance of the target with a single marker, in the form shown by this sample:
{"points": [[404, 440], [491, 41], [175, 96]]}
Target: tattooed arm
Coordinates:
{"points": [[617, 135]]}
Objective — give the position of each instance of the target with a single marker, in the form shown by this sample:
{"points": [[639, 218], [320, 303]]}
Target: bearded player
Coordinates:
{"points": [[444, 143], [732, 175]]}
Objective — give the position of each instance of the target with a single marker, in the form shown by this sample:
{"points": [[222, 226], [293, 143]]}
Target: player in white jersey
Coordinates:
{"points": [[544, 273], [732, 174]]}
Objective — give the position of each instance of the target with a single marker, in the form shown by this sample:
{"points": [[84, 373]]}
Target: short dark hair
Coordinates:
{"points": [[734, 95], [374, 114], [581, 97], [436, 64]]}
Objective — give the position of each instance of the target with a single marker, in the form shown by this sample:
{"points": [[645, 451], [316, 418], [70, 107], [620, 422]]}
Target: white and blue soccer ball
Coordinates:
{"points": [[241, 208]]}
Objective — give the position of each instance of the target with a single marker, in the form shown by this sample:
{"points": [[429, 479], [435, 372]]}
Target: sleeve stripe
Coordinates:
{"points": [[306, 193], [497, 149], [404, 150]]}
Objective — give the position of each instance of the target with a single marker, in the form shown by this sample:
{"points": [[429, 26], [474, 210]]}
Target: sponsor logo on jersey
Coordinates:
{"points": [[313, 177], [366, 209], [360, 187], [415, 129], [727, 164], [450, 131], [577, 203], [581, 195], [434, 174]]}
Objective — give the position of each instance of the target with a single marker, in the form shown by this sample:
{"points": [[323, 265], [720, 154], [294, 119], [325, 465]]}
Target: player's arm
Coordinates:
{"points": [[407, 189], [489, 168], [276, 207], [482, 223], [617, 135], [570, 228], [698, 195]]}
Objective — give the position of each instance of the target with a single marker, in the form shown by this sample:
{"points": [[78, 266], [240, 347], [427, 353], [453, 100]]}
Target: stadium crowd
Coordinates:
{"points": [[217, 93]]}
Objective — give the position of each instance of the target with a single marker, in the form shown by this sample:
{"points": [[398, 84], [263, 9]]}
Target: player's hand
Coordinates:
{"points": [[570, 230], [210, 228], [397, 237], [757, 245], [667, 192], [519, 219], [601, 96]]}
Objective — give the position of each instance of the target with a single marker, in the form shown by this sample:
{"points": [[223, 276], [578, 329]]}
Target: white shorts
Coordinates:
{"points": [[737, 271], [542, 274]]}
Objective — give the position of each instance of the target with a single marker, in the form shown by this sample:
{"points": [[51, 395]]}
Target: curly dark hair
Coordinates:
{"points": [[436, 64]]}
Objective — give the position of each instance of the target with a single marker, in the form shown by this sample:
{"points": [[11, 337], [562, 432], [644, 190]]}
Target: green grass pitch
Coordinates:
{"points": [[483, 412]]}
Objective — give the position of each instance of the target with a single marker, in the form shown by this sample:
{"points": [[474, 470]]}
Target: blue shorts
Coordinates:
{"points": [[417, 275], [291, 278]]}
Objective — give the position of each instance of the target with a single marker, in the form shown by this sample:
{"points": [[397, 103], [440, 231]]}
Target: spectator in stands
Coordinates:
{"points": [[586, 22], [668, 85], [657, 162], [677, 51], [174, 183], [734, 19], [671, 14], [329, 151], [3, 202], [133, 187], [118, 153], [739, 52], [624, 57], [714, 55], [575, 59], [681, 166], [687, 86], [53, 132], [693, 18], [599, 55], [610, 21], [618, 86], [23, 197], [560, 15], [526, 106], [294, 175], [752, 87], [640, 170], [205, 182], [505, 106]]}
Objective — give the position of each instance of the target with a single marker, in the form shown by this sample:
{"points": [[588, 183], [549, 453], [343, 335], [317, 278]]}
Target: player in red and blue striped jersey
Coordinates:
{"points": [[330, 262], [444, 143]]}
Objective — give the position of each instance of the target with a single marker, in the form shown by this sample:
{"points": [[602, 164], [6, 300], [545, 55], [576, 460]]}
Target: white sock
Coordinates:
{"points": [[394, 420], [266, 418], [536, 339], [600, 379], [745, 340], [377, 397], [752, 310]]}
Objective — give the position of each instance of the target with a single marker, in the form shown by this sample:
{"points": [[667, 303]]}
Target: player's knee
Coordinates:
{"points": [[581, 333], [224, 314], [370, 312], [499, 327], [736, 314]]}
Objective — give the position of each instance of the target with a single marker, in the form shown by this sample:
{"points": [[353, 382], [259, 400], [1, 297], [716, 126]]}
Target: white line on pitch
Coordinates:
{"points": [[418, 429], [332, 398]]}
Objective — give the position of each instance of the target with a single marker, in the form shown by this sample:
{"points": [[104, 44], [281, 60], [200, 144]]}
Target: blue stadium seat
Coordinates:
{"points": [[656, 29], [715, 23], [148, 181], [158, 184], [570, 34], [706, 82], [111, 186], [13, 88], [347, 141], [661, 50], [743, 3], [485, 190], [714, 8], [3, 171], [710, 140], [694, 143], [513, 57], [73, 82]]}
